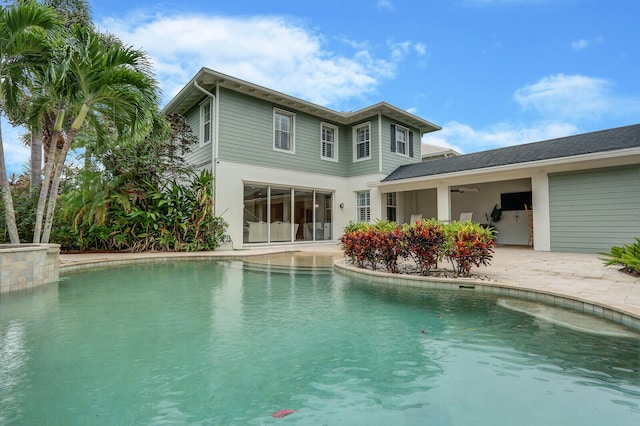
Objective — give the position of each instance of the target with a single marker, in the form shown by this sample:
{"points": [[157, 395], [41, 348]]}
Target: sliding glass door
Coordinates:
{"points": [[280, 214]]}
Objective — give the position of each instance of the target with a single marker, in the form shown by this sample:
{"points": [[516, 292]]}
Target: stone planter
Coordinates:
{"points": [[28, 265]]}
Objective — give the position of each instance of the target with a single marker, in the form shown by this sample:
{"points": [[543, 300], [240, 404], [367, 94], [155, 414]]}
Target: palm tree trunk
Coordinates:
{"points": [[36, 160], [9, 213], [55, 184], [44, 191]]}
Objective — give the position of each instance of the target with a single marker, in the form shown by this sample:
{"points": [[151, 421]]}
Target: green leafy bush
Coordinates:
{"points": [[24, 204], [628, 256], [468, 244], [173, 217], [425, 242], [384, 243]]}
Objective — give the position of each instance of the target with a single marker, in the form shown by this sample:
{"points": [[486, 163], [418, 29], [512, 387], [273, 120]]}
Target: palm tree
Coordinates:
{"points": [[94, 79], [71, 12], [23, 39]]}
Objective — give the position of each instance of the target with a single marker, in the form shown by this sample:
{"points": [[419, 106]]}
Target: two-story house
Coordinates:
{"points": [[287, 170]]}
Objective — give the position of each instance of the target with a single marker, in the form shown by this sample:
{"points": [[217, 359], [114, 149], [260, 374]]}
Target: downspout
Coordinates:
{"points": [[379, 143], [214, 144]]}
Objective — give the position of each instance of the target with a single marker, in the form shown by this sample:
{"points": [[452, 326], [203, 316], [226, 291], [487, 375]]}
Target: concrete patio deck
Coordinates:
{"points": [[579, 277]]}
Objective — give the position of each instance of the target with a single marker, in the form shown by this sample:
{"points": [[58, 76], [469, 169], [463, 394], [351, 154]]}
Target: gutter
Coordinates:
{"points": [[594, 156]]}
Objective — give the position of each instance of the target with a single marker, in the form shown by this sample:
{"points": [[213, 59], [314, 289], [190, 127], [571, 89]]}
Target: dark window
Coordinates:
{"points": [[515, 200]]}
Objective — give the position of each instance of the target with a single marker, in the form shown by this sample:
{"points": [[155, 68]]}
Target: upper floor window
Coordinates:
{"points": [[283, 131], [363, 206], [362, 142], [401, 140], [205, 122], [329, 142]]}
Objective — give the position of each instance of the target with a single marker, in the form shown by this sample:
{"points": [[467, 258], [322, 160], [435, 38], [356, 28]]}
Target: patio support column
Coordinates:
{"points": [[444, 202], [541, 220]]}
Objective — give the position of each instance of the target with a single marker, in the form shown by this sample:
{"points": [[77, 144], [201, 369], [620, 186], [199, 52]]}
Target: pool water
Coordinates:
{"points": [[216, 343]]}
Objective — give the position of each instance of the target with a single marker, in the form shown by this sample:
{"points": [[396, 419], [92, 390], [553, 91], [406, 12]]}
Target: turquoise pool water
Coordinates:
{"points": [[216, 343]]}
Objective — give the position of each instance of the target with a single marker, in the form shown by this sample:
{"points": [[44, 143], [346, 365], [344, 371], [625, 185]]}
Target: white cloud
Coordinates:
{"points": [[269, 51], [385, 5], [575, 97], [579, 44], [583, 44], [465, 139]]}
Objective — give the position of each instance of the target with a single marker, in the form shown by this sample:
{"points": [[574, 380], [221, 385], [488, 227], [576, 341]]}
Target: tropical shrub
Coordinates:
{"points": [[628, 256], [468, 244], [427, 242], [170, 217], [24, 203], [389, 245], [424, 243], [359, 247]]}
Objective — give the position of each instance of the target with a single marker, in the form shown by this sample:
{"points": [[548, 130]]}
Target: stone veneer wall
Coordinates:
{"points": [[28, 265]]}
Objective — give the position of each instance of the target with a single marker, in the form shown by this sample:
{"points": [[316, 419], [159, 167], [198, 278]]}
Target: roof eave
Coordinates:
{"points": [[210, 78], [603, 155]]}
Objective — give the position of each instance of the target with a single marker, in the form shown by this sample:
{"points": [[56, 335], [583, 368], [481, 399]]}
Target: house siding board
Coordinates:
{"points": [[199, 156], [246, 136], [593, 210], [364, 167], [392, 160]]}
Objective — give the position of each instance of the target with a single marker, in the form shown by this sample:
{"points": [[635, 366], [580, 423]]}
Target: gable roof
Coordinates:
{"points": [[209, 79], [596, 142]]}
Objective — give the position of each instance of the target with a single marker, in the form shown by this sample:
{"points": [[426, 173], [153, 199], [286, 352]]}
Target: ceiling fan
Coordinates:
{"points": [[463, 189]]}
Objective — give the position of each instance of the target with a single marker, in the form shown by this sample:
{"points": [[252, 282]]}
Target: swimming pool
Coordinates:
{"points": [[221, 343]]}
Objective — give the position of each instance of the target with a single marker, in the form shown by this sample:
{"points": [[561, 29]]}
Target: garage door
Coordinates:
{"points": [[591, 211]]}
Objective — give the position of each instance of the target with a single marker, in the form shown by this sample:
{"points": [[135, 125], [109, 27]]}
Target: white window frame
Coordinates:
{"points": [[206, 136], [391, 201], [405, 143], [334, 143], [363, 206], [366, 125], [292, 133]]}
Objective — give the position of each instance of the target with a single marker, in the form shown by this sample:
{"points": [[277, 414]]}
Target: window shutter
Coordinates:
{"points": [[393, 138], [410, 144]]}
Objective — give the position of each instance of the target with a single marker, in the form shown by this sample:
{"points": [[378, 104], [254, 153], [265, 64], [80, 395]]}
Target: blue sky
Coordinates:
{"points": [[491, 73]]}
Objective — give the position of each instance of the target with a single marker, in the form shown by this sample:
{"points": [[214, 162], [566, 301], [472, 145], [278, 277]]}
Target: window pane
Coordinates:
{"points": [[363, 206], [255, 214], [303, 214], [362, 141], [280, 208], [324, 216]]}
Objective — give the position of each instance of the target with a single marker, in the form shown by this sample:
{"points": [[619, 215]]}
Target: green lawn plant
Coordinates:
{"points": [[627, 256]]}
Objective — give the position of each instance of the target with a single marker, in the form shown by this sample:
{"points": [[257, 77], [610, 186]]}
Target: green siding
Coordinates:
{"points": [[393, 160], [593, 210], [246, 136], [199, 156], [364, 167]]}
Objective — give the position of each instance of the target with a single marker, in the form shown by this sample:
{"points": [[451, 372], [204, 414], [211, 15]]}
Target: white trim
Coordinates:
{"points": [[597, 156], [336, 131], [406, 141], [366, 207], [292, 142], [355, 141], [202, 123]]}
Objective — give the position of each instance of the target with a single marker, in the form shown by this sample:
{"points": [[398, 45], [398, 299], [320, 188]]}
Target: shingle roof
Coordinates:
{"points": [[587, 143]]}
